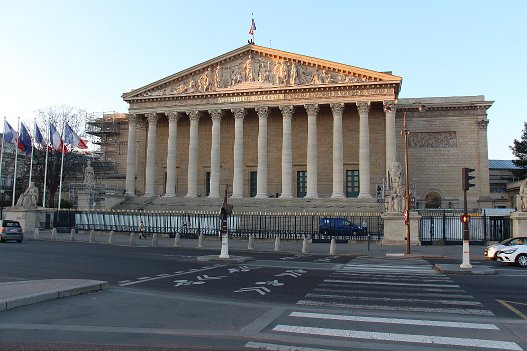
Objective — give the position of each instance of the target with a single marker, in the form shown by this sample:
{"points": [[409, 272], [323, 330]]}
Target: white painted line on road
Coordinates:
{"points": [[427, 323], [392, 293], [393, 276], [409, 338], [391, 299], [123, 281], [390, 283], [163, 275], [277, 347], [408, 289], [463, 311], [143, 278], [171, 275]]}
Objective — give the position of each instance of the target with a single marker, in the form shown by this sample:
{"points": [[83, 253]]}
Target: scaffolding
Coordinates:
{"points": [[104, 128]]}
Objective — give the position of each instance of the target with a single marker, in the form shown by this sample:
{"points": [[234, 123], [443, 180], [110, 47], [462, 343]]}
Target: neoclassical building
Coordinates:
{"points": [[269, 123]]}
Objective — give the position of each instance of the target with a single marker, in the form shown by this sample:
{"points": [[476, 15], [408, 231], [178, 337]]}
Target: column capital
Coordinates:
{"points": [[262, 111], [389, 106], [312, 109], [215, 115], [337, 108], [173, 116], [132, 118], [238, 112], [363, 107], [193, 115], [287, 110], [152, 118]]}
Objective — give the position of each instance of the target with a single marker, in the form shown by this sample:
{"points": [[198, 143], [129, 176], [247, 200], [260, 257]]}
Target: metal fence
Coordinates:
{"points": [[191, 224], [445, 227]]}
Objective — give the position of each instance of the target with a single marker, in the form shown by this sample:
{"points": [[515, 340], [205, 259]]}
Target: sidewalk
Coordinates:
{"points": [[20, 293]]}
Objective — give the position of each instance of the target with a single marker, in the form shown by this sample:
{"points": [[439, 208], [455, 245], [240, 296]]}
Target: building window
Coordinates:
{"points": [[301, 183], [352, 183], [207, 183], [433, 200], [253, 181]]}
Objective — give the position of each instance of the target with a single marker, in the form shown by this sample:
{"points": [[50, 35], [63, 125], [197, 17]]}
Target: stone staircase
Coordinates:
{"points": [[274, 205]]}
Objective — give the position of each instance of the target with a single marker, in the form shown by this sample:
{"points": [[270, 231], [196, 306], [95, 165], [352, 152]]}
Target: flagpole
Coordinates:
{"points": [[45, 171], [2, 159], [61, 163], [16, 161], [31, 163]]}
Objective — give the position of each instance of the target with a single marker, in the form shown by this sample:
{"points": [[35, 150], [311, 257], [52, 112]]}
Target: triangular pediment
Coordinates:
{"points": [[251, 68]]}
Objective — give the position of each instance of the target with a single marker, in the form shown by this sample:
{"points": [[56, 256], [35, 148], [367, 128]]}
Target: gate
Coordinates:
{"points": [[445, 227]]}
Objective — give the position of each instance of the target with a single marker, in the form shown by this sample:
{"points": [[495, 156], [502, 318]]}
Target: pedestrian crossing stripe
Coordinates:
{"points": [[394, 293], [390, 283], [408, 338], [462, 311], [391, 299], [398, 321]]}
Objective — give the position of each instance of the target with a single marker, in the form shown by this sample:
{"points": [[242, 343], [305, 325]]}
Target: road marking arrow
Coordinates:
{"points": [[206, 277], [262, 290]]}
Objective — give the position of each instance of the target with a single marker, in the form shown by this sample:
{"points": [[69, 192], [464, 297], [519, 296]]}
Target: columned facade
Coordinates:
{"points": [[289, 126]]}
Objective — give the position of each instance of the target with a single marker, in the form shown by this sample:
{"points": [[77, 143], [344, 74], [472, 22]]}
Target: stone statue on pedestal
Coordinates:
{"points": [[29, 199], [394, 202], [89, 175], [521, 202]]}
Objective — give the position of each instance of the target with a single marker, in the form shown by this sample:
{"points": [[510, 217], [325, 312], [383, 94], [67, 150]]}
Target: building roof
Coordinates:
{"points": [[502, 164]]}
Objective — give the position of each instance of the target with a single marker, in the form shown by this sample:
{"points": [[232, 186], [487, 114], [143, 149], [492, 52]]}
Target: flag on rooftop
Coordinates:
{"points": [[253, 27]]}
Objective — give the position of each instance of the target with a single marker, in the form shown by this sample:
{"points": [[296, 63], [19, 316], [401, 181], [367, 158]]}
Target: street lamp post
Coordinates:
{"points": [[406, 132]]}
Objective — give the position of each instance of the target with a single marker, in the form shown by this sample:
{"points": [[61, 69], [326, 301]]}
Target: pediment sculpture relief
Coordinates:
{"points": [[253, 70]]}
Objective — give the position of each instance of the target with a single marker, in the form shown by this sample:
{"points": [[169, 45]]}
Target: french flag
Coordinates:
{"points": [[73, 139], [253, 27], [56, 140]]}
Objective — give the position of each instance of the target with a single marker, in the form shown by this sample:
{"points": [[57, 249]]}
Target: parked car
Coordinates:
{"points": [[339, 226], [11, 230], [491, 251], [516, 254]]}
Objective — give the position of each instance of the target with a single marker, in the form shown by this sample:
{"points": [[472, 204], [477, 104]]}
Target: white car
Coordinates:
{"points": [[516, 254], [491, 251]]}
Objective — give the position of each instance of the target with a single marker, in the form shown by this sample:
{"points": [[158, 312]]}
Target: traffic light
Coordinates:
{"points": [[467, 178], [465, 218]]}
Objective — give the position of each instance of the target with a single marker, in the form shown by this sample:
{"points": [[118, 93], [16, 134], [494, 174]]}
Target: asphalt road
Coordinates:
{"points": [[162, 298]]}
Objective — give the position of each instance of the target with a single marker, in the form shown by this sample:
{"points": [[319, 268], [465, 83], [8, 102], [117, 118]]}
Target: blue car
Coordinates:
{"points": [[339, 227], [11, 230]]}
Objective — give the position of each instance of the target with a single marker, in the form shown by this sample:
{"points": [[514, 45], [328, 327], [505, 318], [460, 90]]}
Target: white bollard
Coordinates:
{"points": [[177, 240], [154, 239], [92, 236], [225, 247], [54, 234], [333, 247], [200, 241], [305, 246], [132, 239], [250, 245], [72, 234], [36, 234], [277, 244], [111, 238]]}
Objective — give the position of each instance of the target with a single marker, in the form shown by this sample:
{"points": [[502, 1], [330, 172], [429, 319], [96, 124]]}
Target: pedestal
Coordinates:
{"points": [[26, 217], [395, 229], [83, 200], [519, 223]]}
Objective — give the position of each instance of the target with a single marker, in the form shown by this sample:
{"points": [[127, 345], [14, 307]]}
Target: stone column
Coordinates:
{"points": [[173, 117], [215, 154], [131, 154], [237, 181], [482, 170], [338, 152], [287, 153], [364, 149], [151, 155], [192, 190], [312, 145], [261, 180], [391, 143]]}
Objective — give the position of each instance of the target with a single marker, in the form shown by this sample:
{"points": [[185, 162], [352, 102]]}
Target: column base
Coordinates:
{"points": [[286, 196], [338, 196], [169, 195], [311, 196], [213, 196], [189, 195], [148, 195], [237, 196], [261, 196], [364, 196], [129, 194]]}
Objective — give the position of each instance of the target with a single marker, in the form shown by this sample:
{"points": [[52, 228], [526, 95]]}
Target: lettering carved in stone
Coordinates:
{"points": [[250, 70], [432, 140]]}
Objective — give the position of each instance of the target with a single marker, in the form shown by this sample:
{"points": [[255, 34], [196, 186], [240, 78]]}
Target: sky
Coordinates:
{"points": [[86, 54]]}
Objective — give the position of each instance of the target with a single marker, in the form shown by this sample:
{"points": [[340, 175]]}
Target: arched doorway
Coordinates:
{"points": [[433, 200]]}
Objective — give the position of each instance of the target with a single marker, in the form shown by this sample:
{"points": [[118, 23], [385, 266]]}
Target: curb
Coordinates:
{"points": [[455, 269], [57, 289]]}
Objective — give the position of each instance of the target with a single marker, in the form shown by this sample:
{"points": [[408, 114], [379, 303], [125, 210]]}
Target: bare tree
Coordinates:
{"points": [[73, 161]]}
